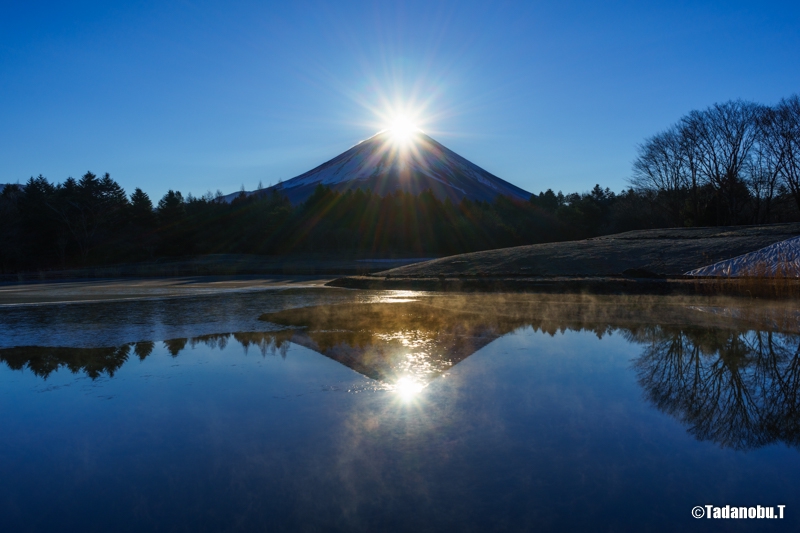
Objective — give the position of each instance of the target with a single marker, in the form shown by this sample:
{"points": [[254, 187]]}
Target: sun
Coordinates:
{"points": [[402, 129]]}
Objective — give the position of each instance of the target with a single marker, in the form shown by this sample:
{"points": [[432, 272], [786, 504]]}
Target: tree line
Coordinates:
{"points": [[92, 221], [733, 163]]}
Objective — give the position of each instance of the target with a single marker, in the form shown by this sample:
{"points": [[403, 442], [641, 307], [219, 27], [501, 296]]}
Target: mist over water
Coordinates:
{"points": [[356, 410]]}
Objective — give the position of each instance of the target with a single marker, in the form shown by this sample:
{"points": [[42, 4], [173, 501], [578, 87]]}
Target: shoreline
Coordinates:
{"points": [[125, 289], [81, 290], [741, 287]]}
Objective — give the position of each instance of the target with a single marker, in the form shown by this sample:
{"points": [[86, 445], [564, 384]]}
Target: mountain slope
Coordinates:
{"points": [[385, 165]]}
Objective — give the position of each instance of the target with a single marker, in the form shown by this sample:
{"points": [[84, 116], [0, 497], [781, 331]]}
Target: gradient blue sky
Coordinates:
{"points": [[200, 96]]}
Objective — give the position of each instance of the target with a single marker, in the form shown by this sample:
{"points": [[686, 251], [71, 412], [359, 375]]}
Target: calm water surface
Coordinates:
{"points": [[326, 410]]}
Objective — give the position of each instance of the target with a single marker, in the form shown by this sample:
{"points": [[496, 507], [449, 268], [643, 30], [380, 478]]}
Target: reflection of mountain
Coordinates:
{"points": [[387, 341], [731, 375]]}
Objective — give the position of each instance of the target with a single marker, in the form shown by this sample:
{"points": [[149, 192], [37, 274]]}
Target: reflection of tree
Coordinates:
{"points": [[143, 349], [43, 361], [273, 343], [732, 376], [781, 363], [174, 346], [739, 389]]}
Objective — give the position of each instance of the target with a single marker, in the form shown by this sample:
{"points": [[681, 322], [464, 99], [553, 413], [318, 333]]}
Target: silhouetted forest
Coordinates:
{"points": [[91, 221], [733, 163]]}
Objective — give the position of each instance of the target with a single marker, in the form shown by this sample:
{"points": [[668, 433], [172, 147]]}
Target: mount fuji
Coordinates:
{"points": [[385, 164]]}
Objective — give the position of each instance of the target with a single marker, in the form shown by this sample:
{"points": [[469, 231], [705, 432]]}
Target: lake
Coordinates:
{"points": [[335, 410]]}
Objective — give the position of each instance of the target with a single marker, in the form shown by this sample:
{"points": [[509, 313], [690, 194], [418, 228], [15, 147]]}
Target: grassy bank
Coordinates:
{"points": [[635, 262]]}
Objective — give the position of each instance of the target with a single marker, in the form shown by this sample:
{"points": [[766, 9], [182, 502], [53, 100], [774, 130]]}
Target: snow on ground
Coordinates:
{"points": [[781, 259]]}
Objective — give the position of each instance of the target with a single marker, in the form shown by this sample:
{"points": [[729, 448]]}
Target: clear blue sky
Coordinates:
{"points": [[200, 96]]}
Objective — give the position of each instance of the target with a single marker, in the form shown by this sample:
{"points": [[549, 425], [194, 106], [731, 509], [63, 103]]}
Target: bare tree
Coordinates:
{"points": [[785, 140], [691, 167], [764, 166], [661, 167], [725, 135]]}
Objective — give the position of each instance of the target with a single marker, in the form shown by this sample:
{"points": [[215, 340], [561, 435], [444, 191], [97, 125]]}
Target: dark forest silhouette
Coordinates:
{"points": [[733, 163], [92, 222]]}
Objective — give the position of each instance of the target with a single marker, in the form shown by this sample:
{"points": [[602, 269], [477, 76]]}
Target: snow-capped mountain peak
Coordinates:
{"points": [[384, 164]]}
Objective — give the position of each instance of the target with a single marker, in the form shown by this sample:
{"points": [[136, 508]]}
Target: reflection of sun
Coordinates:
{"points": [[402, 129], [407, 387]]}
